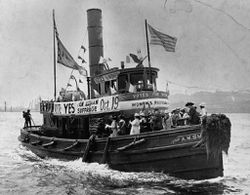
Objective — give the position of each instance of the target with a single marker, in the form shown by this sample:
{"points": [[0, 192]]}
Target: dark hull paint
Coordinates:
{"points": [[171, 152]]}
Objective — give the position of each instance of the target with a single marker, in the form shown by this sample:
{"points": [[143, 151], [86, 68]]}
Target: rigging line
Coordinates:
{"points": [[165, 3], [225, 43], [225, 13], [84, 37]]}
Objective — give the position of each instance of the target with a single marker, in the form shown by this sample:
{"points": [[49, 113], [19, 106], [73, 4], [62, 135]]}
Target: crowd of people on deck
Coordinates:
{"points": [[145, 122]]}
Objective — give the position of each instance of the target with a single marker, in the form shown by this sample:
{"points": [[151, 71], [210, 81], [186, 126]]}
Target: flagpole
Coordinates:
{"points": [[148, 51], [54, 50]]}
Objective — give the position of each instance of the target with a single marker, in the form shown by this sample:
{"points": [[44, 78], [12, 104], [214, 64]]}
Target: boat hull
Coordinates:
{"points": [[172, 152]]}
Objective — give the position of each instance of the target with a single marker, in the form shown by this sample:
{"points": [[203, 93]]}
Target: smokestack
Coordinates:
{"points": [[95, 46], [95, 41]]}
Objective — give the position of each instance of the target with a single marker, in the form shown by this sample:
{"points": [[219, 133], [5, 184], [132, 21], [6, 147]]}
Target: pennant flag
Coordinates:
{"points": [[127, 59], [139, 55], [132, 88], [82, 94], [83, 61], [96, 93], [104, 61], [64, 57], [112, 90], [72, 77], [135, 58], [82, 71], [158, 38], [84, 49], [80, 81], [101, 60]]}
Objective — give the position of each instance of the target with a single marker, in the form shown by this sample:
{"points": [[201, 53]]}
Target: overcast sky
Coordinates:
{"points": [[212, 52]]}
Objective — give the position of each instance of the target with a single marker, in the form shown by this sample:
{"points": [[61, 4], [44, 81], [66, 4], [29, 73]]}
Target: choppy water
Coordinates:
{"points": [[22, 172]]}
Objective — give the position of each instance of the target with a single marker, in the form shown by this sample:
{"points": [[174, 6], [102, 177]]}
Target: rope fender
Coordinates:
{"points": [[215, 134]]}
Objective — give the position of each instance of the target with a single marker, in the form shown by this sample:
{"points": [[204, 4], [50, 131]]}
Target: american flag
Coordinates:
{"points": [[159, 38]]}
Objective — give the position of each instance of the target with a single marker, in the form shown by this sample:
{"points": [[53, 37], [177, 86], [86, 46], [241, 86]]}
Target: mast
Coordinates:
{"points": [[54, 52], [148, 51]]}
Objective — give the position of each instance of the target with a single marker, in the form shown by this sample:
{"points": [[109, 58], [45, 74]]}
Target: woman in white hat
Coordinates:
{"points": [[203, 110], [135, 125]]}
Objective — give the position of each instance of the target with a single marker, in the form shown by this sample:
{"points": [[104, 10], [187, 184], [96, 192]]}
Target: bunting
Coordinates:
{"points": [[83, 48], [82, 71], [80, 58]]}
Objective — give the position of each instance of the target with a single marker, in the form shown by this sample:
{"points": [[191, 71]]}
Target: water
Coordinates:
{"points": [[22, 172]]}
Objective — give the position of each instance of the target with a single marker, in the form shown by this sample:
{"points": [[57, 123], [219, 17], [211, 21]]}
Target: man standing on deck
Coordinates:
{"points": [[27, 117], [194, 116]]}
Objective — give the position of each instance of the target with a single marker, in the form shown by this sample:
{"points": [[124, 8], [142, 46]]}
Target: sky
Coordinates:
{"points": [[212, 51]]}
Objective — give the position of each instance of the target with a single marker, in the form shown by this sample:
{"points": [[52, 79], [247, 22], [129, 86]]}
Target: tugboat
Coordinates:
{"points": [[74, 126]]}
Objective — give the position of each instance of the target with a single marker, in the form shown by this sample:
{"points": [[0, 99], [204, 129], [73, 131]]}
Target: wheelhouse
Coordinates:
{"points": [[124, 80]]}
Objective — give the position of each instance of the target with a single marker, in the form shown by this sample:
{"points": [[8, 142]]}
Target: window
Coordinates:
{"points": [[136, 78], [122, 80], [107, 87]]}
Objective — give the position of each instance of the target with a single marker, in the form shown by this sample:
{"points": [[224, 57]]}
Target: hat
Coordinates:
{"points": [[173, 110], [142, 114], [136, 114], [189, 104], [202, 104]]}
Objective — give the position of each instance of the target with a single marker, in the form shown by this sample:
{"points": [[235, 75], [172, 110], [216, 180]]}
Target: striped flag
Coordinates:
{"points": [[158, 38]]}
